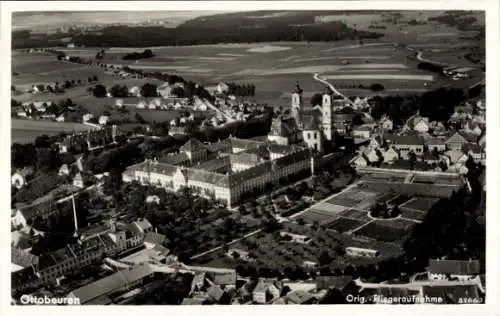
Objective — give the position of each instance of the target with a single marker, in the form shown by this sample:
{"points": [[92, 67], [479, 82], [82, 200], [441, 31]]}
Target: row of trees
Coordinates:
{"points": [[136, 56]]}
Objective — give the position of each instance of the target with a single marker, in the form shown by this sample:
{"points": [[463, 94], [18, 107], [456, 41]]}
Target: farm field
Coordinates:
{"points": [[276, 67], [25, 131]]}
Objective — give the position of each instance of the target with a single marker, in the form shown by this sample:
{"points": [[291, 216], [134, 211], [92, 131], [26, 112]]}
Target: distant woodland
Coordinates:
{"points": [[223, 28]]}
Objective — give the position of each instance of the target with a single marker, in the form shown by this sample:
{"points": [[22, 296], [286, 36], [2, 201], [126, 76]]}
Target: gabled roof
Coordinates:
{"points": [[154, 238], [22, 258], [192, 145], [143, 224], [111, 283], [459, 267], [299, 297], [215, 292], [226, 278], [174, 159]]}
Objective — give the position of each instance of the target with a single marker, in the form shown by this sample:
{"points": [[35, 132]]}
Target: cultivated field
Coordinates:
{"points": [[25, 131]]}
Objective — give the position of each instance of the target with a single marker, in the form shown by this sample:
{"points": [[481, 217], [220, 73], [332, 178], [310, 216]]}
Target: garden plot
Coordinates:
{"points": [[399, 223], [313, 215], [380, 232], [422, 204], [356, 215], [343, 224]]}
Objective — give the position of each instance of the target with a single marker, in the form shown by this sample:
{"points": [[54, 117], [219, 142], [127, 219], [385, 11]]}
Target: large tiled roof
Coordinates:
{"points": [[214, 164], [205, 176], [227, 278], [246, 159], [174, 159], [113, 282], [154, 167], [22, 258], [193, 145], [459, 267], [310, 123], [154, 238]]}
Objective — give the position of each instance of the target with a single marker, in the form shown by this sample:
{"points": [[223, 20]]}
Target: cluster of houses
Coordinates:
{"points": [[425, 141]]}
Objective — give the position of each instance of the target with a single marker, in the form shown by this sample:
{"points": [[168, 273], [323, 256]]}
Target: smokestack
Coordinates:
{"points": [[74, 214]]}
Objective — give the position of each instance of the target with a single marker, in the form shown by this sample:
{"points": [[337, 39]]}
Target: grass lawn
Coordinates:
{"points": [[25, 131]]}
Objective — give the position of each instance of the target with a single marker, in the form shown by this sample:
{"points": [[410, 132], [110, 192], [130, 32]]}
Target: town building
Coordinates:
{"points": [[284, 131], [266, 290], [459, 269], [225, 170], [361, 252], [21, 177], [405, 144], [417, 123]]}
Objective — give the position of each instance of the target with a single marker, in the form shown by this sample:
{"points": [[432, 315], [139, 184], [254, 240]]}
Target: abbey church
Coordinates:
{"points": [[313, 125]]}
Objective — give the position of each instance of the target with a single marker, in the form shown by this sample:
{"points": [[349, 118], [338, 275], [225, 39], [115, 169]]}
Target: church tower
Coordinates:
{"points": [[296, 104], [327, 114]]}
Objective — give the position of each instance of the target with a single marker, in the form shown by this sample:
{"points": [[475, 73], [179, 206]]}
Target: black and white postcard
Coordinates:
{"points": [[260, 153]]}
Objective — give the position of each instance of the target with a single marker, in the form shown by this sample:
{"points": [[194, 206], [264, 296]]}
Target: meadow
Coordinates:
{"points": [[25, 131], [275, 68]]}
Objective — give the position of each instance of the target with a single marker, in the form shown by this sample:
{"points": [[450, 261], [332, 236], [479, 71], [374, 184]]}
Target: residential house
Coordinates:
{"points": [[199, 283], [61, 118], [472, 127], [222, 88], [87, 117], [266, 290], [458, 139], [299, 297], [78, 180], [405, 144], [362, 133], [475, 151], [225, 280], [389, 155], [361, 252], [141, 226], [103, 119], [153, 199], [359, 161], [134, 91], [164, 90], [64, 170], [21, 177], [417, 123], [459, 269], [386, 123], [435, 143]]}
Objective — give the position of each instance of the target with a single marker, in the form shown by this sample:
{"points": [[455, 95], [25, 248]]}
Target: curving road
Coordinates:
{"points": [[318, 78]]}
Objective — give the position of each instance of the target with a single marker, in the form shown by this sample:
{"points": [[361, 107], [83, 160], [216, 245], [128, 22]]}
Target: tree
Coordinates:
{"points": [[317, 99], [99, 91], [324, 258], [118, 91], [149, 90]]}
